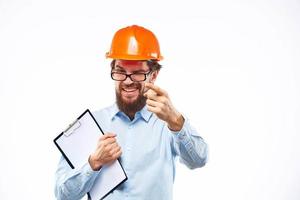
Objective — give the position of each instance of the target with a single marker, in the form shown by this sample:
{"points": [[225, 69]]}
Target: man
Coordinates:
{"points": [[143, 129]]}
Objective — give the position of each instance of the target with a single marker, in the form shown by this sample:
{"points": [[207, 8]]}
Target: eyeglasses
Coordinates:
{"points": [[135, 77]]}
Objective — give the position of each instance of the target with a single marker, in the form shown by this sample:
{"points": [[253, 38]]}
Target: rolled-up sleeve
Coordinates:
{"points": [[73, 183], [189, 146]]}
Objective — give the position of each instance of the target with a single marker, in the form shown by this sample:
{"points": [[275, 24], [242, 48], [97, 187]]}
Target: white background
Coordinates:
{"points": [[231, 66]]}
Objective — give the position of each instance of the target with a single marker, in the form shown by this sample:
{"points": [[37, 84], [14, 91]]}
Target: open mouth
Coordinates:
{"points": [[132, 91], [129, 89]]}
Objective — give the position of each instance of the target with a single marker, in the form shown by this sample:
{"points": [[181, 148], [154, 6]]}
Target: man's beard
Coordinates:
{"points": [[130, 108]]}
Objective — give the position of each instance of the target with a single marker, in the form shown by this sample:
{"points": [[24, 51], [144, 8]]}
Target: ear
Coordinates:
{"points": [[154, 76]]}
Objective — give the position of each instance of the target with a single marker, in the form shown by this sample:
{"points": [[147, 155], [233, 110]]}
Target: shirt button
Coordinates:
{"points": [[182, 136]]}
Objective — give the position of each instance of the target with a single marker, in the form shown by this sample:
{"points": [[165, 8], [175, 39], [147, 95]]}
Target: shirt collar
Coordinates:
{"points": [[144, 112], [114, 111]]}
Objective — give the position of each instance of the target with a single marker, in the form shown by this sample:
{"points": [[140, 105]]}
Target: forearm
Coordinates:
{"points": [[73, 184], [190, 147]]}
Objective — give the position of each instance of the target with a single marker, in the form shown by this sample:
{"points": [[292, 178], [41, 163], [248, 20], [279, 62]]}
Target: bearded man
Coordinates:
{"points": [[143, 129]]}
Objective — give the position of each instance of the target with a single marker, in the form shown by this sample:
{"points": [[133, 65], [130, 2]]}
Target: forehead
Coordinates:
{"points": [[132, 65]]}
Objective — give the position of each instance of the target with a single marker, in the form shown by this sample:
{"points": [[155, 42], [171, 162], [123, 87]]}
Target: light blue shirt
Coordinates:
{"points": [[149, 151]]}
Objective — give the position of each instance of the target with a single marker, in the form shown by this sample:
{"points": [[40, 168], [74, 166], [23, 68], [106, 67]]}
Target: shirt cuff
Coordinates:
{"points": [[182, 135], [88, 171]]}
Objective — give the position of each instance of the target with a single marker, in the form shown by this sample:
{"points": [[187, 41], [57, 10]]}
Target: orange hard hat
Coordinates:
{"points": [[134, 43]]}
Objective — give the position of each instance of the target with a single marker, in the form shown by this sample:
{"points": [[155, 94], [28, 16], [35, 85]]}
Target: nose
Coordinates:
{"points": [[127, 81]]}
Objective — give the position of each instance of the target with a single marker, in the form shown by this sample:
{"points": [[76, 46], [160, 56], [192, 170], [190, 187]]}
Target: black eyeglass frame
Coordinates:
{"points": [[129, 75]]}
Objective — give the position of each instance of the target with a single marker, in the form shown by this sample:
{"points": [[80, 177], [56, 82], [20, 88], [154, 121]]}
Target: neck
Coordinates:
{"points": [[131, 115]]}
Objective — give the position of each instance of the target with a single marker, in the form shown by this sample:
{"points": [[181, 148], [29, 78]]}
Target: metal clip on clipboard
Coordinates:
{"points": [[72, 127]]}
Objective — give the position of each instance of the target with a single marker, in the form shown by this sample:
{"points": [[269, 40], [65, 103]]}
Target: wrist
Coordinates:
{"points": [[95, 165], [176, 123]]}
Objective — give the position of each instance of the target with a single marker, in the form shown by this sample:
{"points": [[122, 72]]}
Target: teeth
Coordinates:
{"points": [[129, 90]]}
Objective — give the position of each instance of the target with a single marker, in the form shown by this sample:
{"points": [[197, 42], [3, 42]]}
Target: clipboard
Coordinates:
{"points": [[77, 142]]}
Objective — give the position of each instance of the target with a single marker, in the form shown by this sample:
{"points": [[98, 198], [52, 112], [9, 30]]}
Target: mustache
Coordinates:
{"points": [[132, 85]]}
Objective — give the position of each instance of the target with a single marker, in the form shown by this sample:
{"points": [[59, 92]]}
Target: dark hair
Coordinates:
{"points": [[153, 65]]}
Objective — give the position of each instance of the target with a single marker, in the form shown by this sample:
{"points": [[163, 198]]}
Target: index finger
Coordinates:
{"points": [[107, 135], [157, 89]]}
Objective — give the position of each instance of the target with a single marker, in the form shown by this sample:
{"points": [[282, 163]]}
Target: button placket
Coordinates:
{"points": [[128, 146]]}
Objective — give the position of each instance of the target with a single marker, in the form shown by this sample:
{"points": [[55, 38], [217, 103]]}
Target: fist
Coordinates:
{"points": [[158, 102], [107, 151]]}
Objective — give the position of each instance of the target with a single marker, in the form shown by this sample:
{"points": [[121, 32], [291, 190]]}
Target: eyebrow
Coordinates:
{"points": [[119, 68]]}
